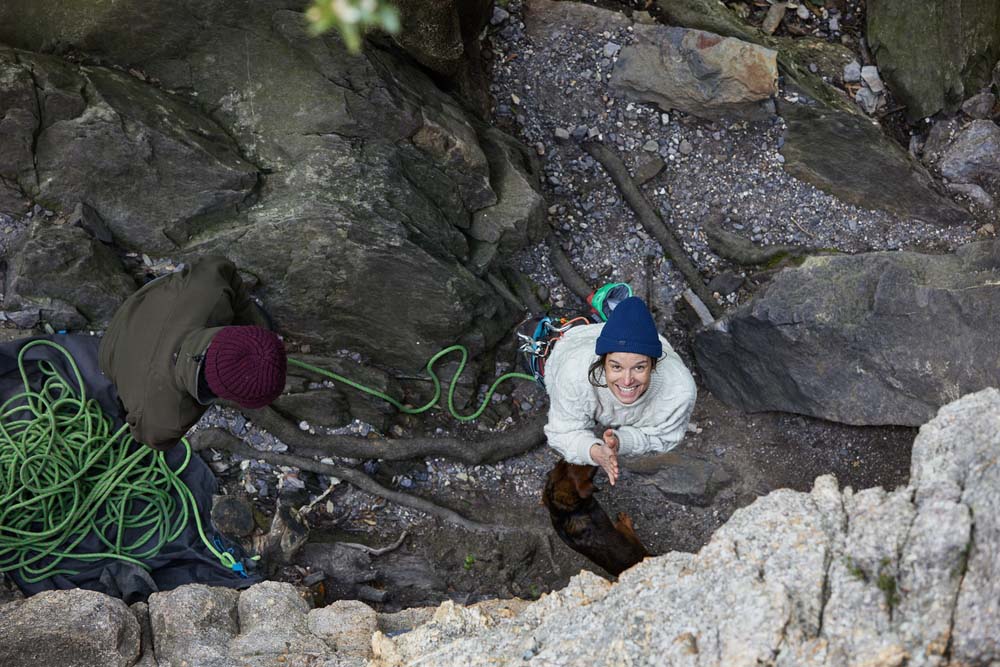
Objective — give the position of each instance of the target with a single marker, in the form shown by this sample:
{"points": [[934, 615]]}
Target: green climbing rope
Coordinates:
{"points": [[437, 384], [64, 475]]}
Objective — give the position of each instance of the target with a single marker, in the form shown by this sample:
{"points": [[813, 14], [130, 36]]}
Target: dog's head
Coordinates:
{"points": [[568, 485]]}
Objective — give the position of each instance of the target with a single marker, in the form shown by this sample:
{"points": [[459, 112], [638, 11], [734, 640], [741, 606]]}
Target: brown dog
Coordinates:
{"points": [[583, 524]]}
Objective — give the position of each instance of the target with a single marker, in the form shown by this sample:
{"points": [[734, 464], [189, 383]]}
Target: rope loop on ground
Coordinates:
{"points": [[434, 378], [65, 474]]}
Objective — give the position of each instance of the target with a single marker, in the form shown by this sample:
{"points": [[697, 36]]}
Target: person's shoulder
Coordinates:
{"points": [[583, 333]]}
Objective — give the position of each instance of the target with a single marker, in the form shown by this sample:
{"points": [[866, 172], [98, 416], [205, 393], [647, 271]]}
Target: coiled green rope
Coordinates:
{"points": [[437, 384], [64, 475]]}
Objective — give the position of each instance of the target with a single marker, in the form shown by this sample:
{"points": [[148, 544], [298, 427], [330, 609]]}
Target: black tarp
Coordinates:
{"points": [[182, 561]]}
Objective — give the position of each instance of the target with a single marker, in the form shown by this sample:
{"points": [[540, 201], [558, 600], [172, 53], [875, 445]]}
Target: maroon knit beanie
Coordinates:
{"points": [[246, 365]]}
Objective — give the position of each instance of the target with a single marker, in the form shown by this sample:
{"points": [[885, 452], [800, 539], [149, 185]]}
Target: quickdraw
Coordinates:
{"points": [[536, 345]]}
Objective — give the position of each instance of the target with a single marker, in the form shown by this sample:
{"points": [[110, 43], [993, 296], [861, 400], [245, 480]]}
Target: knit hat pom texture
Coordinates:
{"points": [[246, 365], [630, 329]]}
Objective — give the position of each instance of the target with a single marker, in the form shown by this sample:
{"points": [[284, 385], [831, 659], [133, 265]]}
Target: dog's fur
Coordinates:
{"points": [[583, 524]]}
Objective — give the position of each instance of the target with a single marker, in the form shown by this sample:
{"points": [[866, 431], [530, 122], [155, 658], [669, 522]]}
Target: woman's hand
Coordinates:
{"points": [[606, 455]]}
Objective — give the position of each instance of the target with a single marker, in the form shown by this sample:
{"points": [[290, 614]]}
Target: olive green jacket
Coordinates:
{"points": [[153, 348]]}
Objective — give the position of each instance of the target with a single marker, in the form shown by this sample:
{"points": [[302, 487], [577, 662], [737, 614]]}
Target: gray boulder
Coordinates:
{"points": [[876, 338], [364, 176], [273, 623], [145, 162], [848, 155], [346, 626], [974, 155], [830, 577], [68, 277], [194, 623], [518, 219], [697, 72], [980, 106], [74, 628], [544, 18], [935, 53]]}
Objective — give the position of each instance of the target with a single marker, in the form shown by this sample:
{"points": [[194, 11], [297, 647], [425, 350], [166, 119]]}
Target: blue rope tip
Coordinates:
{"points": [[239, 569]]}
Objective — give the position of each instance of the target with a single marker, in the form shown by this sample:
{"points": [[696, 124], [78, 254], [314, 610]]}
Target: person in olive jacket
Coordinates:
{"points": [[185, 340]]}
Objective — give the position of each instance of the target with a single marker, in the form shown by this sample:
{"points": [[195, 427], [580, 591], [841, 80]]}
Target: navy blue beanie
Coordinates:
{"points": [[630, 329]]}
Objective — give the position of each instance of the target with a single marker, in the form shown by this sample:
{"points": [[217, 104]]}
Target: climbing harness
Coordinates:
{"points": [[536, 345], [539, 335], [65, 476]]}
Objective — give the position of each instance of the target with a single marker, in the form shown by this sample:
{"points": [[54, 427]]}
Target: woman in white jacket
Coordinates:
{"points": [[620, 379]]}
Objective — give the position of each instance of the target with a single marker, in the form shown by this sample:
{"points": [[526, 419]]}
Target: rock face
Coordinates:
{"points": [[443, 35], [72, 280], [313, 169], [850, 156], [934, 54], [877, 338], [102, 137], [831, 577], [697, 72]]}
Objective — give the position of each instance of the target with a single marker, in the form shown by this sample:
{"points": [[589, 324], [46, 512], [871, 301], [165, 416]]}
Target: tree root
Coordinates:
{"points": [[359, 480], [523, 290], [372, 551], [569, 276], [502, 446], [737, 249], [652, 222]]}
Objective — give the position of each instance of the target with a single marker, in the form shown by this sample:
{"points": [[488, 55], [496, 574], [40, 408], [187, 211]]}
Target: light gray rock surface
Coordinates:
{"points": [[74, 628], [875, 338], [697, 72], [194, 623], [830, 577]]}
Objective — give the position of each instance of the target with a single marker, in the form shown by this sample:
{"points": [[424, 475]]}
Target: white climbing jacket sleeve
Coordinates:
{"points": [[570, 429], [656, 422]]}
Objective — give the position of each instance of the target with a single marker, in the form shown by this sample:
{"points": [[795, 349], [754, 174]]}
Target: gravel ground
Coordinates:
{"points": [[733, 167]]}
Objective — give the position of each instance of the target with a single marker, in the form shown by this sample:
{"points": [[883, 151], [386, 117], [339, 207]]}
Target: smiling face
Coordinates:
{"points": [[627, 375]]}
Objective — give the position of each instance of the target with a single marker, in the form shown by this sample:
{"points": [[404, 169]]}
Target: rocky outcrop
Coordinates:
{"points": [[100, 136], [877, 338], [697, 72], [934, 54], [236, 131], [829, 577], [850, 156], [69, 278]]}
